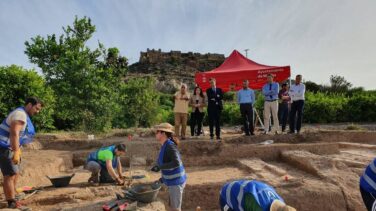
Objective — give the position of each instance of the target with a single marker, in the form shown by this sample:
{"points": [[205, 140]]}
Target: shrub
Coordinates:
{"points": [[361, 107], [324, 108], [139, 103], [16, 85], [229, 96], [231, 114]]}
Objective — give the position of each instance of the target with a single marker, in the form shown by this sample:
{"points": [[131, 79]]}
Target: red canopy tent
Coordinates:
{"points": [[236, 68]]}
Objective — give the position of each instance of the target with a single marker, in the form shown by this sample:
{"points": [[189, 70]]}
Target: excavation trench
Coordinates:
{"points": [[304, 169]]}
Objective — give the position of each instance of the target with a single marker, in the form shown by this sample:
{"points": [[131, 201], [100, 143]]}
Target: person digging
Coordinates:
{"points": [[103, 162], [16, 130], [251, 195]]}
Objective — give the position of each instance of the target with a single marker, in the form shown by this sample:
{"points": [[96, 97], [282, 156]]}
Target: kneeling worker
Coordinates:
{"points": [[102, 163], [251, 195]]}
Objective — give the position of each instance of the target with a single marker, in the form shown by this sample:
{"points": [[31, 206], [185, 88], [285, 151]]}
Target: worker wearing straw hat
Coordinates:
{"points": [[251, 195], [169, 161]]}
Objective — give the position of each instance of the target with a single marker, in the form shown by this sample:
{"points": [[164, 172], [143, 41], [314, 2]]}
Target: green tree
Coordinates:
{"points": [[85, 80], [18, 84], [339, 84], [312, 86], [139, 103]]}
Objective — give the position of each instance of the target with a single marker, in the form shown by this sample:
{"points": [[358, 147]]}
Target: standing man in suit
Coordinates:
{"points": [[215, 106]]}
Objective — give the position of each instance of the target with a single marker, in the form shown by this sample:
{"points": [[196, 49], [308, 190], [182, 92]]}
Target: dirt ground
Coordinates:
{"points": [[316, 170]]}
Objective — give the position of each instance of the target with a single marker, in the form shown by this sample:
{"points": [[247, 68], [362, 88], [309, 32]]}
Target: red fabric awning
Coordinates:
{"points": [[236, 68]]}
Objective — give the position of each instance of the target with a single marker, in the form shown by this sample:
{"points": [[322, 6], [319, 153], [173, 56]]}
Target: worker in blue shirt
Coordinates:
{"points": [[368, 186], [270, 91], [251, 195], [246, 100]]}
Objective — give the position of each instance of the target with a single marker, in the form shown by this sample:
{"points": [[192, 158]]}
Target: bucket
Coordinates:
{"points": [[60, 181], [145, 193]]}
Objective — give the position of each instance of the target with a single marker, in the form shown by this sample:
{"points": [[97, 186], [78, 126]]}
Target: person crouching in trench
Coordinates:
{"points": [[102, 163]]}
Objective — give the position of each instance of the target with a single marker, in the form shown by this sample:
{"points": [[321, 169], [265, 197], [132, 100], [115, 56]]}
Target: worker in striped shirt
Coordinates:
{"points": [[368, 186], [251, 195]]}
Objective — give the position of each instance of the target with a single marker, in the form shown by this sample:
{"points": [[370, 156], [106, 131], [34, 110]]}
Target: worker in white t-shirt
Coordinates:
{"points": [[15, 131]]}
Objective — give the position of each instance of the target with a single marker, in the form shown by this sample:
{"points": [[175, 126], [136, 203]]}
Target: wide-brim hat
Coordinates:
{"points": [[278, 205], [165, 127]]}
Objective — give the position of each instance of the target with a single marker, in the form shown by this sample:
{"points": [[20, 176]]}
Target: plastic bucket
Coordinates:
{"points": [[145, 193], [60, 181]]}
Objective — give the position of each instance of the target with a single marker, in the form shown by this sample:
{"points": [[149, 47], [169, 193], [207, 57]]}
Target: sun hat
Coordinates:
{"points": [[278, 205], [165, 127]]}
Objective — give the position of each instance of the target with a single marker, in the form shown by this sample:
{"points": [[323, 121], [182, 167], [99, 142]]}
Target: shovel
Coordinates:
{"points": [[31, 194]]}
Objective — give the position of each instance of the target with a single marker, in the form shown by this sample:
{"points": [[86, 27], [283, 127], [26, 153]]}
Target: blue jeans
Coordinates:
{"points": [[283, 113]]}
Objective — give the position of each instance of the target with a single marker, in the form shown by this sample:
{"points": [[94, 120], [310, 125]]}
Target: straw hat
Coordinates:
{"points": [[278, 205], [165, 127]]}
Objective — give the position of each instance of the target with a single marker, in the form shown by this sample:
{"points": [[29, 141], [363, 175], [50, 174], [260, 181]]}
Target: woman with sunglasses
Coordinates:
{"points": [[169, 161]]}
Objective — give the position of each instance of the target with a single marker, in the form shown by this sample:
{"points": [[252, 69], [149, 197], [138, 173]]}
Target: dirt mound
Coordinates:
{"points": [[333, 171]]}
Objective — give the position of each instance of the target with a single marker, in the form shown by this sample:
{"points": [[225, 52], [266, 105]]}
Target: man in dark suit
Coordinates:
{"points": [[215, 106]]}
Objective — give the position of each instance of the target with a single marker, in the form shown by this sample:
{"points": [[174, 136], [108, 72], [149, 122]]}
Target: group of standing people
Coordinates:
{"points": [[198, 101], [282, 106]]}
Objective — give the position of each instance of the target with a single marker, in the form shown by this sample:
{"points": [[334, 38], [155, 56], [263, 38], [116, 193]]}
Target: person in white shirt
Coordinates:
{"points": [[16, 130], [296, 93]]}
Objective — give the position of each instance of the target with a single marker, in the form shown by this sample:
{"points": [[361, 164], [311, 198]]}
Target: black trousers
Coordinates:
{"points": [[283, 113], [368, 199], [246, 110], [214, 115], [8, 168], [296, 115], [105, 176], [196, 120]]}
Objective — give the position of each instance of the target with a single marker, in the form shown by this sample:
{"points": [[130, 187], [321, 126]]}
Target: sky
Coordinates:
{"points": [[317, 38]]}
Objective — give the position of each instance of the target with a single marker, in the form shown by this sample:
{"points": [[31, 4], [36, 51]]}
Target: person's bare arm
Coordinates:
{"points": [[111, 170], [14, 136], [119, 168]]}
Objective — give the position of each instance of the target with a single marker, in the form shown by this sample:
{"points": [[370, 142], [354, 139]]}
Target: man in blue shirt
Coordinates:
{"points": [[246, 100], [270, 91]]}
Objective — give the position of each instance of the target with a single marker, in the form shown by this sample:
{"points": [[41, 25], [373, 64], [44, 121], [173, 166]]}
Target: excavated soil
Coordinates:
{"points": [[316, 170]]}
